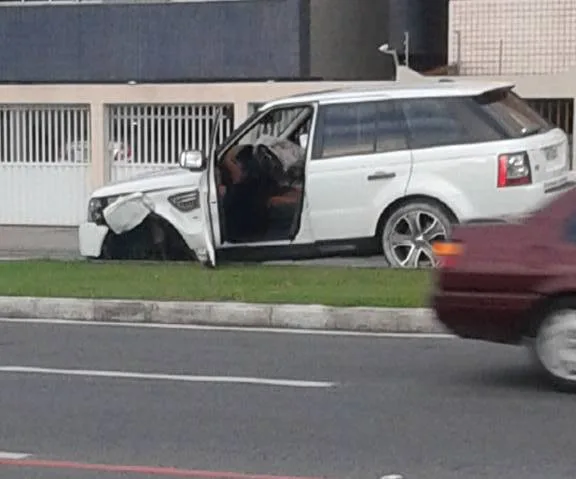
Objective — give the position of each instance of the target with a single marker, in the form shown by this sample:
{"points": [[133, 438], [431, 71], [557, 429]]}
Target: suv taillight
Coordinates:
{"points": [[514, 170]]}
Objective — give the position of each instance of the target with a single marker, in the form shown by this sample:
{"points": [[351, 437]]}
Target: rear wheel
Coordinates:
{"points": [[408, 233], [555, 344]]}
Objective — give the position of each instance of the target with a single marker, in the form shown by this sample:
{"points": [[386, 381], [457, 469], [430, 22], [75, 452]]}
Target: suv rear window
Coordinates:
{"points": [[512, 113]]}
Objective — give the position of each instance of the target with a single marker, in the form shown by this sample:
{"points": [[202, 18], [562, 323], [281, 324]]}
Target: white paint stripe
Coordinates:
{"points": [[170, 377], [13, 456], [246, 329]]}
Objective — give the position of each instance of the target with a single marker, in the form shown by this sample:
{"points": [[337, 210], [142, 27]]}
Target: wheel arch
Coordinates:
{"points": [[542, 306], [145, 231]]}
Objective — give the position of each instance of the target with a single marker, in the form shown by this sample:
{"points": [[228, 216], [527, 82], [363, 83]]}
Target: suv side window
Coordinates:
{"points": [[448, 121], [431, 124], [359, 129], [392, 127], [345, 129]]}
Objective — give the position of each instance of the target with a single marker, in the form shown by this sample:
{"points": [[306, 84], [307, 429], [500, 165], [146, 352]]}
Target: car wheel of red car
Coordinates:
{"points": [[555, 344]]}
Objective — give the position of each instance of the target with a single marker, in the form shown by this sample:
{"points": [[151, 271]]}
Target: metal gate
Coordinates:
{"points": [[147, 138], [559, 112], [44, 164]]}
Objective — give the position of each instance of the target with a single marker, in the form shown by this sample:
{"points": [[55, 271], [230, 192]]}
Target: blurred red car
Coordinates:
{"points": [[515, 282]]}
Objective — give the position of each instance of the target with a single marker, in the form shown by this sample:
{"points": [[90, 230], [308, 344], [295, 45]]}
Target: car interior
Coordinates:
{"points": [[260, 178]]}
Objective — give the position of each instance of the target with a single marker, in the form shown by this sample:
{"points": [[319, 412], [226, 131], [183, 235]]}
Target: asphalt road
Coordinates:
{"points": [[275, 404]]}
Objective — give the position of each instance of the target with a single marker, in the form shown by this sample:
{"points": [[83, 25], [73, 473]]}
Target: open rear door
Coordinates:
{"points": [[209, 196]]}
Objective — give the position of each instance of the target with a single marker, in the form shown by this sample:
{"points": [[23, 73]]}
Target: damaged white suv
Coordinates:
{"points": [[384, 169]]}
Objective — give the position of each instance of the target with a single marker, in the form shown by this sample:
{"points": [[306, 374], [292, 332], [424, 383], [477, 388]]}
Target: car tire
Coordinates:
{"points": [[554, 346], [407, 234]]}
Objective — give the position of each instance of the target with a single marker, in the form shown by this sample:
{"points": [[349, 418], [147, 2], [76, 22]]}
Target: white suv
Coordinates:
{"points": [[388, 168]]}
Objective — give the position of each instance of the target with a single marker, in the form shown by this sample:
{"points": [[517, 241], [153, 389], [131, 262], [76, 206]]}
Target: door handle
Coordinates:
{"points": [[381, 175]]}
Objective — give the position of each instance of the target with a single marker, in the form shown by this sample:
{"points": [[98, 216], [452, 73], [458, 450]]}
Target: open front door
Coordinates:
{"points": [[209, 258], [209, 196]]}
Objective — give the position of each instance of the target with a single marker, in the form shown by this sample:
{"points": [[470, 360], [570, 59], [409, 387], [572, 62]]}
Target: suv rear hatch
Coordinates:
{"points": [[548, 152], [550, 163]]}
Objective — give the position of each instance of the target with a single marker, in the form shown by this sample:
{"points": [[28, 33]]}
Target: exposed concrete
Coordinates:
{"points": [[388, 320], [19, 242], [61, 243]]}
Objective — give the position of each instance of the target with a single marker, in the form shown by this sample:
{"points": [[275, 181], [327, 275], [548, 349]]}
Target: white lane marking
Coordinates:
{"points": [[169, 377], [13, 456], [240, 329]]}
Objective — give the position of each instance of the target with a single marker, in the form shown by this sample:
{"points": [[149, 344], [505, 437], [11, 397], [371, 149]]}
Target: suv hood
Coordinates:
{"points": [[158, 180]]}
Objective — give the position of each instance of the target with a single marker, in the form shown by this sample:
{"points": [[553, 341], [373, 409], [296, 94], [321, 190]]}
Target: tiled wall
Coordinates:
{"points": [[512, 37]]}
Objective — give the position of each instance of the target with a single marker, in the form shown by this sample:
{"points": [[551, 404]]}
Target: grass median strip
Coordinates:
{"points": [[190, 282]]}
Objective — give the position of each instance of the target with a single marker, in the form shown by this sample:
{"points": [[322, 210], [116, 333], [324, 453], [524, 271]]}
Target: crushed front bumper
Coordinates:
{"points": [[91, 239]]}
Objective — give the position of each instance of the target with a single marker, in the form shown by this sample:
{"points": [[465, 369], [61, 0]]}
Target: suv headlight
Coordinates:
{"points": [[96, 208]]}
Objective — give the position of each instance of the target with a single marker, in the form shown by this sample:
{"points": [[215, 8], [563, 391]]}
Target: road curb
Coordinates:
{"points": [[295, 316]]}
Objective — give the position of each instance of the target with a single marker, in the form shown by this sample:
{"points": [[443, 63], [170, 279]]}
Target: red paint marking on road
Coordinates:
{"points": [[149, 470]]}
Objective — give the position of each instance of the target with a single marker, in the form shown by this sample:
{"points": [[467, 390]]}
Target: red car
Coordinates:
{"points": [[515, 282]]}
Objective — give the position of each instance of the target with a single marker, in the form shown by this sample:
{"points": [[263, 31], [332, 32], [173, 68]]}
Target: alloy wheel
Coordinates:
{"points": [[411, 239]]}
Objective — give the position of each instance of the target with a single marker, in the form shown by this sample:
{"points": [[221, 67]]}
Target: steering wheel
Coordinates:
{"points": [[295, 173], [270, 162]]}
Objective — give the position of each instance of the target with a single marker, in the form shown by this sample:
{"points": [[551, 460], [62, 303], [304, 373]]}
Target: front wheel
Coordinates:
{"points": [[152, 240], [408, 233], [555, 344]]}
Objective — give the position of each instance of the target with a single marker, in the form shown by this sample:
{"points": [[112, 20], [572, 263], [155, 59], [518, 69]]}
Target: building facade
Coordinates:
{"points": [[512, 37], [426, 23], [125, 119], [153, 41], [102, 41]]}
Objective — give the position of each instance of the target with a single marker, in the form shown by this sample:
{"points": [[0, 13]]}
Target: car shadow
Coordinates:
{"points": [[518, 377]]}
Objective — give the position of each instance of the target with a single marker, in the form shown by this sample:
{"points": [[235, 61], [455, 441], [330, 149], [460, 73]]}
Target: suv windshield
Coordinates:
{"points": [[512, 113]]}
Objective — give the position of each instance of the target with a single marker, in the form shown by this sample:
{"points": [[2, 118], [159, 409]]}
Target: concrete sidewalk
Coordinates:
{"points": [[61, 243], [38, 242], [294, 316]]}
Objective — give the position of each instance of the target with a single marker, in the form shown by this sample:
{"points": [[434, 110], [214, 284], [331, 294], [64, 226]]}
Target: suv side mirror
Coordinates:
{"points": [[303, 140], [192, 160]]}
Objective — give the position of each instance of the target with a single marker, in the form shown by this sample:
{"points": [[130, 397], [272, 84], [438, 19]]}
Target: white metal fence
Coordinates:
{"points": [[45, 152], [44, 164], [277, 122], [145, 138]]}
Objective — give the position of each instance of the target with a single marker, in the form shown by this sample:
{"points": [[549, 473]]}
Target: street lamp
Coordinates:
{"points": [[385, 48]]}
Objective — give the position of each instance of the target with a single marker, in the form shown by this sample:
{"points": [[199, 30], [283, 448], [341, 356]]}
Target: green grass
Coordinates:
{"points": [[259, 284]]}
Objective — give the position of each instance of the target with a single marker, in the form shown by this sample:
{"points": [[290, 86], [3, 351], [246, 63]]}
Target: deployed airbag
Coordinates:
{"points": [[127, 212]]}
